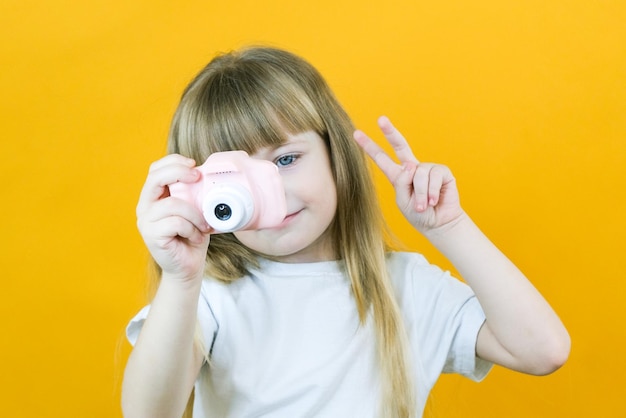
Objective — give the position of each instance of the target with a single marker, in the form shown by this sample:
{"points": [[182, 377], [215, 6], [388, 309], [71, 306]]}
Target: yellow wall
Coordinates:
{"points": [[526, 101]]}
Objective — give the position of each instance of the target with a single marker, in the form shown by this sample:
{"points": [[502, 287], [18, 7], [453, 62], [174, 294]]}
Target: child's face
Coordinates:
{"points": [[304, 165]]}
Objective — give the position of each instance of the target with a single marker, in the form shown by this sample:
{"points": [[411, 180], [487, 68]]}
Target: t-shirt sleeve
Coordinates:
{"points": [[462, 356], [444, 318], [206, 319], [134, 326]]}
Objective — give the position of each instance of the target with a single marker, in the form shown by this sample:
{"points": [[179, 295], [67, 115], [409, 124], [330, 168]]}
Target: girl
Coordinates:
{"points": [[317, 317]]}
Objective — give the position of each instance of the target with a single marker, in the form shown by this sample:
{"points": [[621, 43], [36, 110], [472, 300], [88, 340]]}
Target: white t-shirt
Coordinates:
{"points": [[285, 340]]}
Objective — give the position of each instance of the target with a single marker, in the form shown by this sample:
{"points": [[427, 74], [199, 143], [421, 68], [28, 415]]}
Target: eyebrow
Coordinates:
{"points": [[291, 141]]}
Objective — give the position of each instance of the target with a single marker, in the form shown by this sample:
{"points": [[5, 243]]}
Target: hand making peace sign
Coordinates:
{"points": [[426, 193]]}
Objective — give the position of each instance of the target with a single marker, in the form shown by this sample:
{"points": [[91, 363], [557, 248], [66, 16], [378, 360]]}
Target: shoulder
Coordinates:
{"points": [[401, 258], [442, 314], [414, 278], [412, 266]]}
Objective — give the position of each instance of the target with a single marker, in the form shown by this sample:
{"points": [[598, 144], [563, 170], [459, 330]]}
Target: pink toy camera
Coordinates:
{"points": [[236, 192]]}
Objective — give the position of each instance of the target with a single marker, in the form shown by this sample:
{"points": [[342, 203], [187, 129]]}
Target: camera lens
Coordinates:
{"points": [[228, 207], [223, 212]]}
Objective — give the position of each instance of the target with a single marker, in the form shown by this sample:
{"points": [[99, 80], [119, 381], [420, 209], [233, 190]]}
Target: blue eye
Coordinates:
{"points": [[286, 160]]}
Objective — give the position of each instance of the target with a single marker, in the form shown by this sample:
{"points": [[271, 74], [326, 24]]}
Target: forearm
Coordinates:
{"points": [[518, 318], [163, 365]]}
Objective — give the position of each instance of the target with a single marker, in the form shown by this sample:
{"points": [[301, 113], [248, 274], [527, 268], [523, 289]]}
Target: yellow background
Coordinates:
{"points": [[524, 100]]}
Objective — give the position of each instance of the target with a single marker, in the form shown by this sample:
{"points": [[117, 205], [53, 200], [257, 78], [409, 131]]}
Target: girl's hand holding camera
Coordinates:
{"points": [[426, 193], [175, 232]]}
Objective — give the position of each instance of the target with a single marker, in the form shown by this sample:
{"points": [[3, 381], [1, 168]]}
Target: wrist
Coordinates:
{"points": [[181, 281], [451, 229]]}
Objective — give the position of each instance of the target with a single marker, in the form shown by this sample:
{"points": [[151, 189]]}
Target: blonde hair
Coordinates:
{"points": [[249, 99]]}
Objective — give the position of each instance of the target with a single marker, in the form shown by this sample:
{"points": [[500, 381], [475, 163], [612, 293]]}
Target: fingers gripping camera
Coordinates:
{"points": [[236, 192]]}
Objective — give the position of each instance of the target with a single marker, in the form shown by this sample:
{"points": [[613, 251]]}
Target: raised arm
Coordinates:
{"points": [[521, 331], [165, 362]]}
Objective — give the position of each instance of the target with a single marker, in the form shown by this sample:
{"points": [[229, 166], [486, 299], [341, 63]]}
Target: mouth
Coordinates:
{"points": [[289, 217]]}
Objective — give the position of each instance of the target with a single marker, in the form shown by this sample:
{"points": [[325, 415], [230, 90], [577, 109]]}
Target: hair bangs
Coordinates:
{"points": [[247, 110]]}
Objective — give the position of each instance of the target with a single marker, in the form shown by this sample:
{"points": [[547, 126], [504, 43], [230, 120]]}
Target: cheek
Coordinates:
{"points": [[325, 197], [316, 181], [319, 192], [311, 184]]}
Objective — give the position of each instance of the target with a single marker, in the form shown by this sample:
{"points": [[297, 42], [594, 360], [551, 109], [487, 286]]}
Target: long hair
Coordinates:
{"points": [[250, 99]]}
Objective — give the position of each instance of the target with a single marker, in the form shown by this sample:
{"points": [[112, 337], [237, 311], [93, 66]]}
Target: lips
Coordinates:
{"points": [[290, 216]]}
